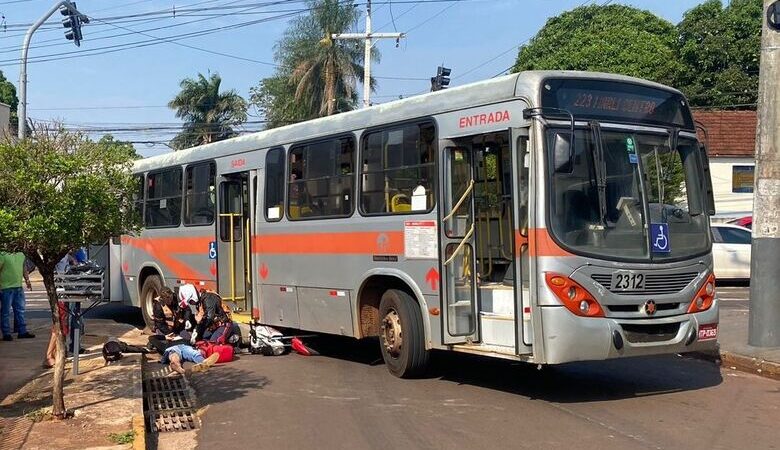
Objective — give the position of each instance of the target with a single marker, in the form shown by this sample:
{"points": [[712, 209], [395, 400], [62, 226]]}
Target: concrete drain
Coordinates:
{"points": [[168, 403]]}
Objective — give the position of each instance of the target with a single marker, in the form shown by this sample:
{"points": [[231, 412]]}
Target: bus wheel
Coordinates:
{"points": [[151, 289], [402, 336]]}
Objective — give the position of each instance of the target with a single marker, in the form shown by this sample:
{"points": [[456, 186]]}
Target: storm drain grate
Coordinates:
{"points": [[168, 403]]}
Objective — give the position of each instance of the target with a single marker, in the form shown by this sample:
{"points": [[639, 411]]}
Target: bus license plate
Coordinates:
{"points": [[623, 280]]}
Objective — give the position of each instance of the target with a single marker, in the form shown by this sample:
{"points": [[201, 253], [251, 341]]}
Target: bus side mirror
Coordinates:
{"points": [[709, 197], [563, 154]]}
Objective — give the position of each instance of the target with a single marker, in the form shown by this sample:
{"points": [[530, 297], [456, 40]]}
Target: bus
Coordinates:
{"points": [[543, 216]]}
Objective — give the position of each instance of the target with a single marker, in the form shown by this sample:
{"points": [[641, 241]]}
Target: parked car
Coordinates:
{"points": [[746, 222], [731, 251]]}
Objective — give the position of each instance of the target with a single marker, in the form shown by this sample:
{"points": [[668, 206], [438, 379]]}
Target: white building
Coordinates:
{"points": [[731, 143]]}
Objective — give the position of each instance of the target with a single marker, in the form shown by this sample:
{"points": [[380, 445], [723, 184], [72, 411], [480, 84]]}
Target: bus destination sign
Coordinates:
{"points": [[618, 101]]}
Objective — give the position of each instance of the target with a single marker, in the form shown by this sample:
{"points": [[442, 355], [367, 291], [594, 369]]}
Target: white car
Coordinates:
{"points": [[731, 251]]}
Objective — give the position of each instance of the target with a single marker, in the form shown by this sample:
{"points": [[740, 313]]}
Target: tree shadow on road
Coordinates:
{"points": [[226, 382]]}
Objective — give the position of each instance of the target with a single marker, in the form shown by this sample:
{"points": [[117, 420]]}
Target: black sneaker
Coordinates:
{"points": [[8, 337], [27, 335]]}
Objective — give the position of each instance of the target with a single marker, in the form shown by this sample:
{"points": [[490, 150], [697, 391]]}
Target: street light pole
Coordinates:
{"points": [[368, 37], [22, 108], [764, 325]]}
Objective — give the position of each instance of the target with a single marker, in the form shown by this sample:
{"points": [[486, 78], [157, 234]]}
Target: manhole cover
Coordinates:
{"points": [[168, 403]]}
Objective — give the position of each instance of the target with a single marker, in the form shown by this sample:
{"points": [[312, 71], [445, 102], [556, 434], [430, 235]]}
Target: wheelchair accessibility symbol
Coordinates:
{"points": [[659, 236], [212, 250]]}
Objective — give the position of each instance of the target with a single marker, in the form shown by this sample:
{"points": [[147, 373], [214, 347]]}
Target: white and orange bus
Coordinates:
{"points": [[545, 217]]}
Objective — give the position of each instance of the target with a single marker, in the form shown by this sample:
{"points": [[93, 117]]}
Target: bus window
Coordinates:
{"points": [[274, 184], [232, 201], [138, 196], [320, 179], [163, 198], [397, 170], [199, 194]]}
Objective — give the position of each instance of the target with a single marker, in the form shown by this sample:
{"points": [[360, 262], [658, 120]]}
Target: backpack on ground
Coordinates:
{"points": [[225, 352]]}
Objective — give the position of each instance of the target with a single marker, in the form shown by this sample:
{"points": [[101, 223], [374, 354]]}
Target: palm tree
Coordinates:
{"points": [[208, 115], [323, 72]]}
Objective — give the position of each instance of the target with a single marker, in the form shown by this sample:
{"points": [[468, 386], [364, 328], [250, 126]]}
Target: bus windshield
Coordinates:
{"points": [[604, 199]]}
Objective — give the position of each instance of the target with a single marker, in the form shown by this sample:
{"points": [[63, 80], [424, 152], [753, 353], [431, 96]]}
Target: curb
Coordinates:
{"points": [[756, 366], [138, 421], [139, 441]]}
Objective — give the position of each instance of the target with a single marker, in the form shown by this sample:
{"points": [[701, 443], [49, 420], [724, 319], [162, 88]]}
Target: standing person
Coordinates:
{"points": [[12, 273]]}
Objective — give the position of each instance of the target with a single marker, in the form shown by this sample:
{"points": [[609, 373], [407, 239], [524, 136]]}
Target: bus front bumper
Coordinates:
{"points": [[570, 338]]}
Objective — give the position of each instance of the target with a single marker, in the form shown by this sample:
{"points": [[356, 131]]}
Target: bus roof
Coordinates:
{"points": [[524, 85]]}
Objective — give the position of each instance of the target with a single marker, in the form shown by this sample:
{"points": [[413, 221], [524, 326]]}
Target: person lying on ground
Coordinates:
{"points": [[175, 356]]}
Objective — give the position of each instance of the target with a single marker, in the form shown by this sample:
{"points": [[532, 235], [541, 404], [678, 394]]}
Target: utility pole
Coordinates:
{"points": [[368, 36], [74, 20], [764, 326]]}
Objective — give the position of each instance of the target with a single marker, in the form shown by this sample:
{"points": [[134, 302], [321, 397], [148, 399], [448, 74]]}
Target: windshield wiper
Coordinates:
{"points": [[600, 168]]}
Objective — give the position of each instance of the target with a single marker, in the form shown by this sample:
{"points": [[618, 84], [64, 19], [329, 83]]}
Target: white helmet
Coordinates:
{"points": [[188, 296]]}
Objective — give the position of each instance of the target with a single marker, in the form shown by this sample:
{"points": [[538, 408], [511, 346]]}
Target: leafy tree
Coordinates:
{"points": [[317, 75], [8, 96], [209, 115], [60, 191], [719, 49], [274, 97], [614, 38]]}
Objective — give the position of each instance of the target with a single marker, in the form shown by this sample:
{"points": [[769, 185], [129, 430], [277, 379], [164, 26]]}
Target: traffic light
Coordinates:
{"points": [[73, 21], [441, 80]]}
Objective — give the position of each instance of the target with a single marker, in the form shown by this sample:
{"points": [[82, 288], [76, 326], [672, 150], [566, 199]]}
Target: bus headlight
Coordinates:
{"points": [[704, 297], [573, 296]]}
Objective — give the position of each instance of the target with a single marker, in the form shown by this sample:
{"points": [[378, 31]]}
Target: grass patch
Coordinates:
{"points": [[39, 415], [122, 438]]}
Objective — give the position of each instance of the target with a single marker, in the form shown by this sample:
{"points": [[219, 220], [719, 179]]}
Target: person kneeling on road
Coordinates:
{"points": [[176, 355], [213, 321]]}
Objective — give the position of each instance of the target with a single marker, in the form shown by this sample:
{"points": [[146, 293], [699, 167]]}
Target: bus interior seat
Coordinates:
{"points": [[400, 203]]}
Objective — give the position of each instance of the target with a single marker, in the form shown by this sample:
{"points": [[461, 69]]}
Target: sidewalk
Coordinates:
{"points": [[105, 401], [737, 354]]}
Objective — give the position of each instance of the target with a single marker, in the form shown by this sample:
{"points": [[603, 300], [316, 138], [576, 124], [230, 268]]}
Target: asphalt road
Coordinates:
{"points": [[346, 399]]}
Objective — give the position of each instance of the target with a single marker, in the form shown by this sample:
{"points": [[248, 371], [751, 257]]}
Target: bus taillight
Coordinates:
{"points": [[704, 297], [573, 296]]}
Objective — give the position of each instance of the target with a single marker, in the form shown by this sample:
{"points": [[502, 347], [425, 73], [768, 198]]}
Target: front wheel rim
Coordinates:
{"points": [[392, 333]]}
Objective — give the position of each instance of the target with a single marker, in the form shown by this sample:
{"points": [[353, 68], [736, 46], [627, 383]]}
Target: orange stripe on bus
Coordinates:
{"points": [[539, 243], [162, 250], [360, 243]]}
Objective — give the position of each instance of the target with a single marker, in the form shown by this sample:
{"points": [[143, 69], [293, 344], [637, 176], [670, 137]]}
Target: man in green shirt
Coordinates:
{"points": [[12, 273]]}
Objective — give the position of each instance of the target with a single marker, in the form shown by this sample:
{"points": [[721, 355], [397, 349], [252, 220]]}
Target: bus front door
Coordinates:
{"points": [[233, 241], [459, 309]]}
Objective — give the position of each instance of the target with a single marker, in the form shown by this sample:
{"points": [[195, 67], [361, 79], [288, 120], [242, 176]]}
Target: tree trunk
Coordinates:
{"points": [[57, 394]]}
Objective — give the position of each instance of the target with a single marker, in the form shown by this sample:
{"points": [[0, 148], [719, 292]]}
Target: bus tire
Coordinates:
{"points": [[402, 335], [152, 287]]}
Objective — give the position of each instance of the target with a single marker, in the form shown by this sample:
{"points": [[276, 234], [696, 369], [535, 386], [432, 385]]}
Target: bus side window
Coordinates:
{"points": [[321, 177], [274, 184], [199, 194], [397, 173], [163, 198], [138, 196]]}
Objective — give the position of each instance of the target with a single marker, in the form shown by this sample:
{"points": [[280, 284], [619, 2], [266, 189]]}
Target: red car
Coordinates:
{"points": [[746, 222]]}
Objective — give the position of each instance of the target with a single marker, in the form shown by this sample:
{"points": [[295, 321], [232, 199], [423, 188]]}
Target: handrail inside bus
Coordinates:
{"points": [[460, 246], [460, 202]]}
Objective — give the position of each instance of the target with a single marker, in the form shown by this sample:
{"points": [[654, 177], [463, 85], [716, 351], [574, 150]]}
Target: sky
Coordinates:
{"points": [[121, 87]]}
